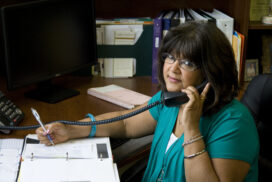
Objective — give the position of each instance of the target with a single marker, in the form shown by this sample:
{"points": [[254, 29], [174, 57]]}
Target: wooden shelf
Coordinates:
{"points": [[258, 25]]}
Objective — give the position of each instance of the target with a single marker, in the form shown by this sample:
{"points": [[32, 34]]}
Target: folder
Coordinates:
{"points": [[223, 22], [87, 159], [236, 49], [242, 42]]}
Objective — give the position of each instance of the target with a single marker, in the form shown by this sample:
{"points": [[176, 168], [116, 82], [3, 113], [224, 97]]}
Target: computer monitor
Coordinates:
{"points": [[46, 39]]}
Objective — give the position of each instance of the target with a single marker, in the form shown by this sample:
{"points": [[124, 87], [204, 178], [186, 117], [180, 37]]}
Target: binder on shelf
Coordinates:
{"points": [[166, 24], [180, 17], [223, 22], [175, 21], [196, 16], [188, 16], [87, 159], [204, 14], [157, 36]]}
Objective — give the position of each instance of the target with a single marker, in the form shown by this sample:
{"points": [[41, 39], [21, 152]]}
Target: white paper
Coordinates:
{"points": [[59, 170], [61, 151], [10, 150], [81, 165], [110, 31]]}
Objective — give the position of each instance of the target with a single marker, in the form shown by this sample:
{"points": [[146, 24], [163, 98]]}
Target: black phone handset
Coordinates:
{"points": [[173, 99]]}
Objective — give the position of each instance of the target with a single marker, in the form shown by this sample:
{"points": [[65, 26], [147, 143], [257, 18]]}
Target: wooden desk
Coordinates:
{"points": [[74, 108]]}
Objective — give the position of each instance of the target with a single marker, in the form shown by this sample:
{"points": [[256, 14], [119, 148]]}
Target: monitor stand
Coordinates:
{"points": [[47, 92]]}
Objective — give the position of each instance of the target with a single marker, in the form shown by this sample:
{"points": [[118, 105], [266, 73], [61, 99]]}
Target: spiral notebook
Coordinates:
{"points": [[85, 160]]}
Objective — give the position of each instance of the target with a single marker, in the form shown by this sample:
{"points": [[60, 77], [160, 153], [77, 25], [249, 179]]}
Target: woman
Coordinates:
{"points": [[212, 137]]}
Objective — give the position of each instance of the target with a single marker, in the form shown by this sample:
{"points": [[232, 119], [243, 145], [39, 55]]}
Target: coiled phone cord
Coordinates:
{"points": [[105, 121]]}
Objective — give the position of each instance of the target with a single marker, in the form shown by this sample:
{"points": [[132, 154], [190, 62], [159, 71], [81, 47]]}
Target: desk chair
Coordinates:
{"points": [[258, 99]]}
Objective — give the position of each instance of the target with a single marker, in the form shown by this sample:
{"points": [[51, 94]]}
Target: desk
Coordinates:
{"points": [[74, 108]]}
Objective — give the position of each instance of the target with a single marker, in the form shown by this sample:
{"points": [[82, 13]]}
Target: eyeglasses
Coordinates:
{"points": [[183, 63]]}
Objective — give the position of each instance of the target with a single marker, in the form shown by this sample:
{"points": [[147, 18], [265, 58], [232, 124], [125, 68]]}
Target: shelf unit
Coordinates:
{"points": [[256, 30], [258, 25], [239, 10]]}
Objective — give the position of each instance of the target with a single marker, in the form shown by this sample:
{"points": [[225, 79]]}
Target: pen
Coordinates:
{"points": [[37, 116]]}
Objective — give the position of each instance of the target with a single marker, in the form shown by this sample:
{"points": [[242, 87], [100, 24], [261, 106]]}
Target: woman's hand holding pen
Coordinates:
{"points": [[192, 110], [57, 131]]}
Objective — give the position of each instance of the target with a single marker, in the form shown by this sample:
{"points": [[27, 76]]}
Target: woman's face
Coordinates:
{"points": [[177, 78]]}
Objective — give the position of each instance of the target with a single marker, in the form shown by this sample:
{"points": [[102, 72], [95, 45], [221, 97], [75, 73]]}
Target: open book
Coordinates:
{"points": [[88, 160], [119, 95]]}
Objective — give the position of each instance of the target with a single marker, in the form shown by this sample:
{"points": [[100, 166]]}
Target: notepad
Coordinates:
{"points": [[75, 160], [119, 95]]}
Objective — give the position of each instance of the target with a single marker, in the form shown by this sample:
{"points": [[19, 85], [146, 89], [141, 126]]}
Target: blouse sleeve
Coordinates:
{"points": [[234, 137], [155, 111]]}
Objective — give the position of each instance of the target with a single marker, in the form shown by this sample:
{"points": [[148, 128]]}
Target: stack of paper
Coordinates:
{"points": [[76, 160], [119, 95], [10, 152], [118, 34]]}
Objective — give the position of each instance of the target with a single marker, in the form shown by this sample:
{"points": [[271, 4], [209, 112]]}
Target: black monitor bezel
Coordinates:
{"points": [[10, 83]]}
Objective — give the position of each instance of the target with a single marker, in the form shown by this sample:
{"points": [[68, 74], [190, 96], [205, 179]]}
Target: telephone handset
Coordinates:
{"points": [[173, 99]]}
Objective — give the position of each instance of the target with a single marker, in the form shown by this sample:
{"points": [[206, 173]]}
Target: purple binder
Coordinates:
{"points": [[157, 36]]}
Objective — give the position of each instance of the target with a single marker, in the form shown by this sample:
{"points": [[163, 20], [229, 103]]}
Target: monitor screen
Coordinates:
{"points": [[48, 38]]}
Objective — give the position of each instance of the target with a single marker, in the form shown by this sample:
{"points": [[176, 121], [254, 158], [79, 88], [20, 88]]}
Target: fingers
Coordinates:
{"points": [[205, 92], [42, 135], [193, 94]]}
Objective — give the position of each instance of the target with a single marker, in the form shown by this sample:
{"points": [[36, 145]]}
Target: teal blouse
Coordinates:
{"points": [[230, 133]]}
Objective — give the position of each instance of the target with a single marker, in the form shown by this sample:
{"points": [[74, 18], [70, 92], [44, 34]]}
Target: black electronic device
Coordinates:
{"points": [[173, 99], [10, 114], [46, 39]]}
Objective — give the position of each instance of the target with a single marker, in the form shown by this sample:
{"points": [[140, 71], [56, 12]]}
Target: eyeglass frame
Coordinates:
{"points": [[181, 62]]}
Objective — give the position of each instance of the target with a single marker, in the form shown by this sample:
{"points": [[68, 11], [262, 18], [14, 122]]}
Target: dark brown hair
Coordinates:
{"points": [[207, 46]]}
